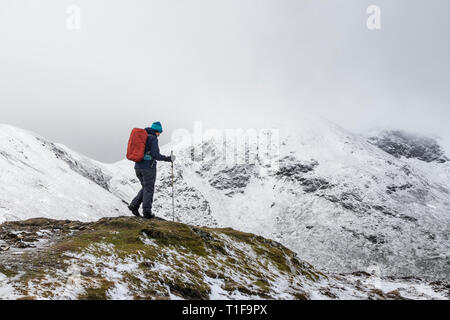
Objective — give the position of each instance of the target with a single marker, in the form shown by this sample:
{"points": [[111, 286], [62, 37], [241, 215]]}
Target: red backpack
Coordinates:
{"points": [[136, 145]]}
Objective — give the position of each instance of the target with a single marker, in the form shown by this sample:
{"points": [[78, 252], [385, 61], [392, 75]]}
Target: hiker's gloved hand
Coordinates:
{"points": [[172, 158]]}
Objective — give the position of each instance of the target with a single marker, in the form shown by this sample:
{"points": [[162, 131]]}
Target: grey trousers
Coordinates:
{"points": [[147, 177]]}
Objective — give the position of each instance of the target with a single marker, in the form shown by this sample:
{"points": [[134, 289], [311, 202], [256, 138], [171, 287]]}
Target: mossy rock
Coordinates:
{"points": [[166, 257], [7, 271], [97, 292]]}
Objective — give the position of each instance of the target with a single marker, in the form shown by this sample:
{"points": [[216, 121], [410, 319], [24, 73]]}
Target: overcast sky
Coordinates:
{"points": [[228, 63]]}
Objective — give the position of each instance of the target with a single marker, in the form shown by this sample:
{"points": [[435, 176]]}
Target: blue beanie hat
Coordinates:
{"points": [[157, 126]]}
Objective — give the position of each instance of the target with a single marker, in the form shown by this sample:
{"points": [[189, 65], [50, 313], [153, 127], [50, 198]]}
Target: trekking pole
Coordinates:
{"points": [[173, 198]]}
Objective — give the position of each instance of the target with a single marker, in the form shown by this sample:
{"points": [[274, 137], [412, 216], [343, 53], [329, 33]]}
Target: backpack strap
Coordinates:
{"points": [[147, 155]]}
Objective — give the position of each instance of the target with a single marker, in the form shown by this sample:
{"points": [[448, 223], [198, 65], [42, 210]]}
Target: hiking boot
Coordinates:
{"points": [[149, 215], [134, 211]]}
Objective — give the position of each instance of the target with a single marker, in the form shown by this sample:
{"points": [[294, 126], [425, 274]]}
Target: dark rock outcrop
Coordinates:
{"points": [[402, 144]]}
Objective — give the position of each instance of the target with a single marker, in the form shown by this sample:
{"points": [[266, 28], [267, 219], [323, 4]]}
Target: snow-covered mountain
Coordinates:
{"points": [[41, 178], [341, 201], [338, 199]]}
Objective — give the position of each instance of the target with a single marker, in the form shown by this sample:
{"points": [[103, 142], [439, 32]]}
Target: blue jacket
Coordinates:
{"points": [[152, 149]]}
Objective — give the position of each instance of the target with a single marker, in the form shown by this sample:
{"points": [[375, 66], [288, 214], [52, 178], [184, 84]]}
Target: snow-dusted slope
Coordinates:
{"points": [[131, 258], [339, 201], [40, 178]]}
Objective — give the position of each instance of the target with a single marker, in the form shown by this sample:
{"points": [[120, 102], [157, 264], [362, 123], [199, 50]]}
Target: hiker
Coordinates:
{"points": [[146, 172]]}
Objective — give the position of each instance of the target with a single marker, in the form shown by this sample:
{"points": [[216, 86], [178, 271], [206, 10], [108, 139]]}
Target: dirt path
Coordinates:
{"points": [[23, 241]]}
